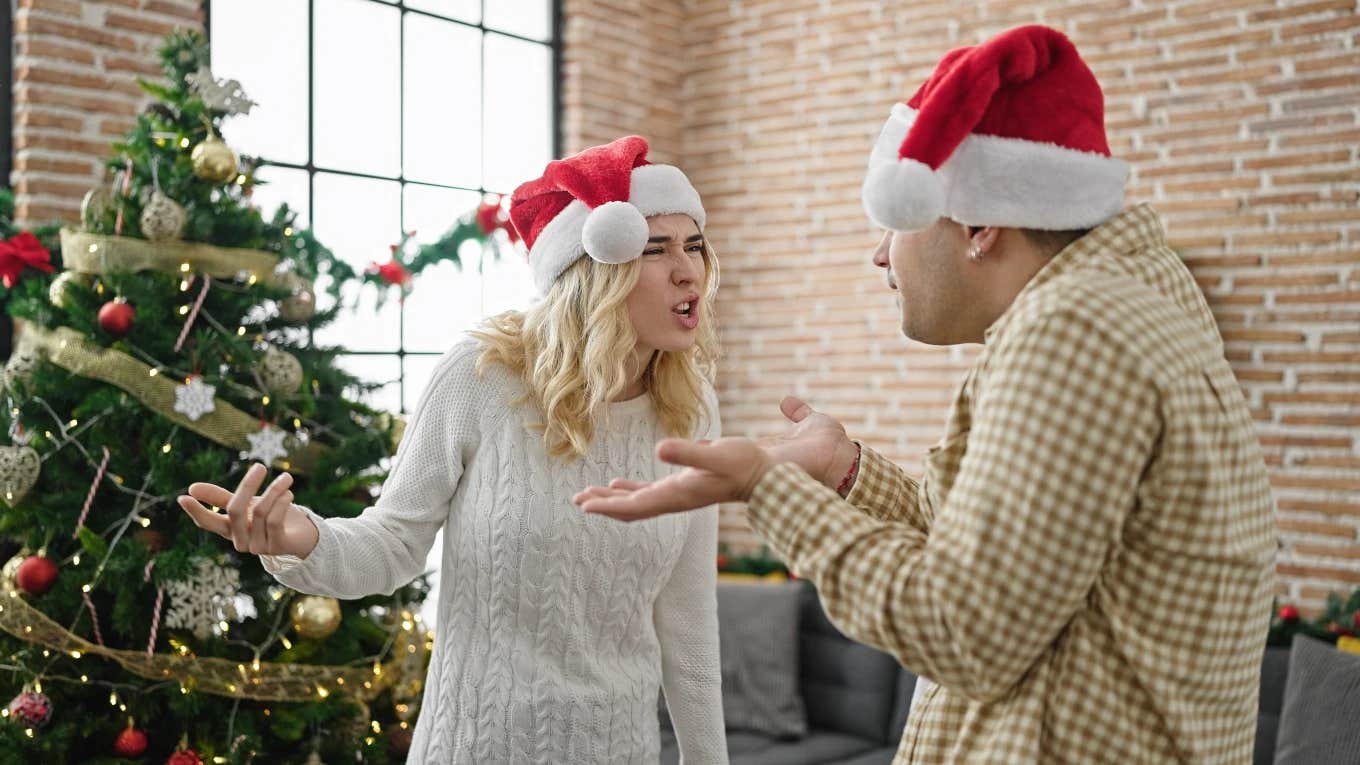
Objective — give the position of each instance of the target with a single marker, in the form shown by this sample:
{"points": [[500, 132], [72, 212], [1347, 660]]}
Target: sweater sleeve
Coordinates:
{"points": [[386, 546], [686, 619]]}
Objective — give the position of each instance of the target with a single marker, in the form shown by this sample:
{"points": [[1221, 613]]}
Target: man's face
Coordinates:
{"points": [[930, 270]]}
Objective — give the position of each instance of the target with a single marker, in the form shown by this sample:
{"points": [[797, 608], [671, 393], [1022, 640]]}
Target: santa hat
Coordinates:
{"points": [[597, 203], [1008, 133]]}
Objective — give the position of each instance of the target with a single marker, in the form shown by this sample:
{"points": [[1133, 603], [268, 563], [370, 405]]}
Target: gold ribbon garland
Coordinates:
{"points": [[97, 254], [272, 681], [225, 424]]}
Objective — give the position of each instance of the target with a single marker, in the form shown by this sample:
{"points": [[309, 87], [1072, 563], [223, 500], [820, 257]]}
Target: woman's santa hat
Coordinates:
{"points": [[1008, 133], [597, 203]]}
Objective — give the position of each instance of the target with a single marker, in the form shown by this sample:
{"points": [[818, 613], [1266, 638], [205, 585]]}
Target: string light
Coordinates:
{"points": [[183, 310], [184, 267], [184, 143], [165, 449], [240, 331], [72, 423], [75, 560], [153, 372], [146, 523], [85, 588], [265, 401]]}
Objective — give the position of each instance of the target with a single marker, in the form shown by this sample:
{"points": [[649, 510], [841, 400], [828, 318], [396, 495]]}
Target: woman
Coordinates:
{"points": [[555, 628]]}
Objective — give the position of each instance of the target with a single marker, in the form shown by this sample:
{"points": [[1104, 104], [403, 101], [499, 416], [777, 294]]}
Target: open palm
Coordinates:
{"points": [[268, 524]]}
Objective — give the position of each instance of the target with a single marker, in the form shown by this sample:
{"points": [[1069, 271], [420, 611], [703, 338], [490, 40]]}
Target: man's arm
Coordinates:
{"points": [[1063, 428]]}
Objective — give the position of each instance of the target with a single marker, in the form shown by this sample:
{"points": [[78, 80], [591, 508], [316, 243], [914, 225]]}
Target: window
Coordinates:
{"points": [[380, 117]]}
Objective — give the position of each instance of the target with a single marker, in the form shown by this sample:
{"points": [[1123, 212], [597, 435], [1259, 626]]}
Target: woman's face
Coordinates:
{"points": [[666, 305]]}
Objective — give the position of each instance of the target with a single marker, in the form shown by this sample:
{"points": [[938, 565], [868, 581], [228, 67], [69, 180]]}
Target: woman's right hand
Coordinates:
{"points": [[269, 524]]}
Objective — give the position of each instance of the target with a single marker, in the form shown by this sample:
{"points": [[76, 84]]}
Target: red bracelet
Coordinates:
{"points": [[844, 487]]}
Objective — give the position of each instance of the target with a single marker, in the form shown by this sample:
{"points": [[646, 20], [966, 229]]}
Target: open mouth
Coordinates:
{"points": [[686, 308]]}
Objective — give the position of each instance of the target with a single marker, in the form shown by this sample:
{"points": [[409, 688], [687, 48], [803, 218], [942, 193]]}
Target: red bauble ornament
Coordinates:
{"points": [[1289, 613], [115, 317], [184, 757], [32, 710], [1355, 620], [393, 272], [130, 743], [36, 575]]}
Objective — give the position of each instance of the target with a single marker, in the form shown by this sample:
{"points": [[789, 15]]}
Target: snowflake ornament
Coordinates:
{"points": [[201, 602], [266, 445], [195, 398], [223, 95]]}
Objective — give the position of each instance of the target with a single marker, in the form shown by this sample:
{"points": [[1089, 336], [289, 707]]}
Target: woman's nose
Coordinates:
{"points": [[689, 271], [880, 254]]}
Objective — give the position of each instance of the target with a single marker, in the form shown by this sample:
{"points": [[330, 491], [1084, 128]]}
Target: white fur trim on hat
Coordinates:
{"points": [[993, 181], [614, 232], [610, 232]]}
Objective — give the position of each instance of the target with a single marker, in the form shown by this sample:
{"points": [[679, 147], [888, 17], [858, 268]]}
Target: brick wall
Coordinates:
{"points": [[75, 91], [1241, 119]]}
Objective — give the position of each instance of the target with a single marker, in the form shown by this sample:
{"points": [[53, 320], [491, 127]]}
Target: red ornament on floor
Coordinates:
{"points": [[115, 317], [36, 575], [130, 743]]}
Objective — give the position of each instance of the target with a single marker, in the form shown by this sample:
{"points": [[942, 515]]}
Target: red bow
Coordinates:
{"points": [[392, 272], [20, 251]]}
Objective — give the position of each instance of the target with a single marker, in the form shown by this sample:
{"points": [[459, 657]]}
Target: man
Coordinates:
{"points": [[1085, 569]]}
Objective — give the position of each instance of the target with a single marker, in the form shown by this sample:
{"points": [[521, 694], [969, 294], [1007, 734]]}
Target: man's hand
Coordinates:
{"points": [[815, 442], [726, 470]]}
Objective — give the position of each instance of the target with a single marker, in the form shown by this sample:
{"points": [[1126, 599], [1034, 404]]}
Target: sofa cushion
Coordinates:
{"points": [[1321, 705], [818, 748], [883, 756], [847, 687], [1274, 672]]}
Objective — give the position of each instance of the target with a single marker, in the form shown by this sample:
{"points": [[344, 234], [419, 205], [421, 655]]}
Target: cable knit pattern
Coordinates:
{"points": [[555, 629]]}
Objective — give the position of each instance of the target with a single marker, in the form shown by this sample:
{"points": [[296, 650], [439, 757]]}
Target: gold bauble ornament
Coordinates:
{"points": [[19, 468], [162, 218], [60, 288], [316, 616], [280, 372], [301, 305], [214, 160], [11, 570], [19, 368]]}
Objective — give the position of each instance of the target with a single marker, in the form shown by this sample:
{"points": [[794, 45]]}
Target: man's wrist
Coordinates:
{"points": [[847, 482]]}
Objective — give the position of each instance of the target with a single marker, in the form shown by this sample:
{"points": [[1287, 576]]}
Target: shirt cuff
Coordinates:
{"points": [[777, 510]]}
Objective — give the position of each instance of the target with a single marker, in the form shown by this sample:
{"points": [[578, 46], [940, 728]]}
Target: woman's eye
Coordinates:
{"points": [[653, 253], [697, 249]]}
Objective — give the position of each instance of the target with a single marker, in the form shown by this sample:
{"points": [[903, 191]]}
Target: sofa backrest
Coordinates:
{"points": [[848, 687]]}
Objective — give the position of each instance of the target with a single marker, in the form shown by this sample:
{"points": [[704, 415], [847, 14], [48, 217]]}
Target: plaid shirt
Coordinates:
{"points": [[1086, 568]]}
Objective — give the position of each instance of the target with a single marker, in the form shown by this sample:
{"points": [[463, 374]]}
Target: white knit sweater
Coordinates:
{"points": [[555, 629]]}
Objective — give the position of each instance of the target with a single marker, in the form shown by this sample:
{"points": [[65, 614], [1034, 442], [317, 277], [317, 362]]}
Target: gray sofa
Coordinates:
{"points": [[857, 700]]}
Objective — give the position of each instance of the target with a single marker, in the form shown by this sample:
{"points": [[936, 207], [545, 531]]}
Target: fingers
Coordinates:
{"points": [[255, 532], [262, 522], [238, 507], [599, 491], [795, 408], [623, 483], [705, 456], [682, 491], [210, 493], [204, 517]]}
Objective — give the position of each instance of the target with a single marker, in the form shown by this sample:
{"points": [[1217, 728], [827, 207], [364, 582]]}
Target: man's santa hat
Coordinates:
{"points": [[1008, 133], [596, 203]]}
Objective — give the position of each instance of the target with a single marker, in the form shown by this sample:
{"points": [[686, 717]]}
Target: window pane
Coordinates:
{"points": [[357, 95], [518, 111], [277, 125], [444, 300], [463, 10], [443, 110], [378, 369], [359, 219], [281, 184], [507, 282], [527, 18], [418, 371]]}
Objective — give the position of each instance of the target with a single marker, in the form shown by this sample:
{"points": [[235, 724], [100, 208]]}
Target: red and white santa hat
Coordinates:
{"points": [[597, 203], [1008, 133]]}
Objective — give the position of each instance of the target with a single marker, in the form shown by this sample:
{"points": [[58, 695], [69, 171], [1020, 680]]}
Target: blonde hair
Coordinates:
{"points": [[572, 351]]}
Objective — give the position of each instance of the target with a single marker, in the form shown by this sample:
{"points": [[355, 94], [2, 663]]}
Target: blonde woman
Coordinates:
{"points": [[555, 628]]}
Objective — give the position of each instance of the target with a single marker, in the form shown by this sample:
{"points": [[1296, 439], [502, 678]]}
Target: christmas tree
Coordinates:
{"points": [[170, 343]]}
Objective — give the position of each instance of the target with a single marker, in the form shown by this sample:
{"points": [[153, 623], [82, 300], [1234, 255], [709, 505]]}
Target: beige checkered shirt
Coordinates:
{"points": [[1085, 569]]}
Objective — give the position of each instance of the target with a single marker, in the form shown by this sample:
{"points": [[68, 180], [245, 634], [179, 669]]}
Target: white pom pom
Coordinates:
{"points": [[903, 195], [614, 232]]}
